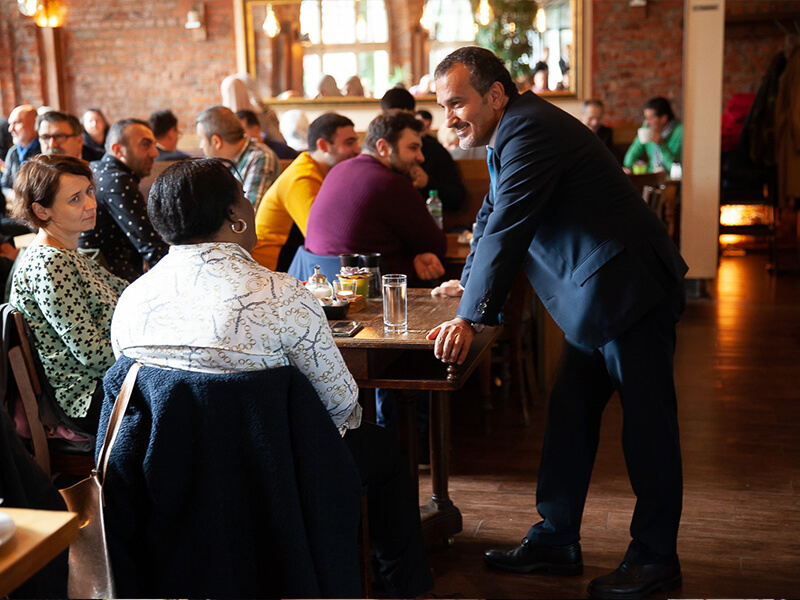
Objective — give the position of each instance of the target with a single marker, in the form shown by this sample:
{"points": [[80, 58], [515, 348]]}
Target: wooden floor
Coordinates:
{"points": [[738, 377]]}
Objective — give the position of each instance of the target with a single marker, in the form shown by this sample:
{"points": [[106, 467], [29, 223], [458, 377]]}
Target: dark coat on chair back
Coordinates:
{"points": [[233, 485], [596, 255]]}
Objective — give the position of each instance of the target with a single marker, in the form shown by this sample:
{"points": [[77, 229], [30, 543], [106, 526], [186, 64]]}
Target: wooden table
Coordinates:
{"points": [[40, 536], [379, 359]]}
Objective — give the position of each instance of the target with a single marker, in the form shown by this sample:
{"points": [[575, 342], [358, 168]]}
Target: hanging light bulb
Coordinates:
{"points": [[271, 26], [484, 13], [540, 21]]}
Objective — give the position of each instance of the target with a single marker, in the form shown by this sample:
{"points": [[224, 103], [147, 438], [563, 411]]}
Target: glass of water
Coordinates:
{"points": [[395, 303]]}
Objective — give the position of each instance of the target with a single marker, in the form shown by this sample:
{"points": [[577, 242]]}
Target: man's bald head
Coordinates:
{"points": [[22, 124]]}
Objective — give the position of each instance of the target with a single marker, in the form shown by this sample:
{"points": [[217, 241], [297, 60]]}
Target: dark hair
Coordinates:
{"points": [[539, 67], [661, 106], [398, 98], [55, 116], [161, 122], [325, 127], [118, 133], [484, 69], [38, 181], [189, 200], [425, 114], [102, 116], [593, 102], [388, 126], [249, 117], [220, 121]]}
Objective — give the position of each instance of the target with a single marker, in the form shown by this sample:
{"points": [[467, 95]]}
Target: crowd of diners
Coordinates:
{"points": [[193, 278]]}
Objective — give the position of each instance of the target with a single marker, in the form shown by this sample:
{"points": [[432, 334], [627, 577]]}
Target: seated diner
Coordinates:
{"points": [[208, 307], [66, 297]]}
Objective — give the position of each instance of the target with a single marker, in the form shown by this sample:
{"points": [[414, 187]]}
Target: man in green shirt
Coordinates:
{"points": [[665, 145]]}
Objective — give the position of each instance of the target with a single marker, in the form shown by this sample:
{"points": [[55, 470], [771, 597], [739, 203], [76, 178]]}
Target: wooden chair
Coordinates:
{"points": [[24, 363], [653, 180]]}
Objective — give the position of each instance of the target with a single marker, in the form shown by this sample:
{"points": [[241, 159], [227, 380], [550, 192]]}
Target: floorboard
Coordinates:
{"points": [[738, 382]]}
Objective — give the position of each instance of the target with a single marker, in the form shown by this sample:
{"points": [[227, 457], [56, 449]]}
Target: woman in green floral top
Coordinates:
{"points": [[66, 297]]}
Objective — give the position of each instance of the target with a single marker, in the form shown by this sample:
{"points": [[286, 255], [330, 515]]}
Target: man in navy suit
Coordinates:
{"points": [[605, 268]]}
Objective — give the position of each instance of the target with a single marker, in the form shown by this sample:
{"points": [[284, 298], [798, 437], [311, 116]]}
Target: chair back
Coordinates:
{"points": [[654, 198], [252, 457], [652, 179], [57, 443], [303, 264]]}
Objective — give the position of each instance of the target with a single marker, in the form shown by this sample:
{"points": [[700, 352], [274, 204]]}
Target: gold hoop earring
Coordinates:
{"points": [[243, 226]]}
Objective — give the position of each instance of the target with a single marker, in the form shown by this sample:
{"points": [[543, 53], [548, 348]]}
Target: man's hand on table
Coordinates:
{"points": [[428, 266], [453, 339]]}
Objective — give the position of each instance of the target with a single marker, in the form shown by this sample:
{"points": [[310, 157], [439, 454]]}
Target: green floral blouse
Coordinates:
{"points": [[68, 300]]}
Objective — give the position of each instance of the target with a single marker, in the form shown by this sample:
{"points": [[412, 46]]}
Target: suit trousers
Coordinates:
{"points": [[393, 504], [639, 365]]}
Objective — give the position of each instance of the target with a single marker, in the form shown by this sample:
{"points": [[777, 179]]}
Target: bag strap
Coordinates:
{"points": [[115, 420]]}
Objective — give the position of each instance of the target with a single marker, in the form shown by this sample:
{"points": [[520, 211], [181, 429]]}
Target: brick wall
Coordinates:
{"points": [[131, 57], [20, 65], [636, 58]]}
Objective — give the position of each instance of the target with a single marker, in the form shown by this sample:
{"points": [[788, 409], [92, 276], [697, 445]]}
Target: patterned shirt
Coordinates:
{"points": [[123, 233], [257, 167], [211, 308], [68, 299]]}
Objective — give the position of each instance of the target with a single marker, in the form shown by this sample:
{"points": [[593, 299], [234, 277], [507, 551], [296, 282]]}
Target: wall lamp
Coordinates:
{"points": [[45, 13], [196, 22]]}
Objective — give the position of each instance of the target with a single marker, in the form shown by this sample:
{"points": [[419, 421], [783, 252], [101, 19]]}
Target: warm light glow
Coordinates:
{"points": [[29, 8], [484, 13], [512, 28], [425, 19], [540, 21], [744, 214], [271, 26], [361, 28], [50, 13]]}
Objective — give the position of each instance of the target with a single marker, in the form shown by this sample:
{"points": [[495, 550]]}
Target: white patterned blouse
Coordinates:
{"points": [[211, 308]]}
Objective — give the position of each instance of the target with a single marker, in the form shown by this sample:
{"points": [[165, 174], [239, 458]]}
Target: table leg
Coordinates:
{"points": [[407, 431], [441, 519]]}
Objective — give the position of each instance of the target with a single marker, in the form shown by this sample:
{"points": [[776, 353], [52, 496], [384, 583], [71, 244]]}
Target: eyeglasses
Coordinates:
{"points": [[57, 137]]}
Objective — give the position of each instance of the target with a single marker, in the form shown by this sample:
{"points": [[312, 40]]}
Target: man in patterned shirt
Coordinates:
{"points": [[222, 136], [123, 233]]}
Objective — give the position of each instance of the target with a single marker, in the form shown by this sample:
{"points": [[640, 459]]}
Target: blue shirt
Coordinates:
{"points": [[28, 151]]}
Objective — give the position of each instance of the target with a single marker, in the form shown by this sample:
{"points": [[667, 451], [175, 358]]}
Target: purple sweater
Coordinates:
{"points": [[365, 207]]}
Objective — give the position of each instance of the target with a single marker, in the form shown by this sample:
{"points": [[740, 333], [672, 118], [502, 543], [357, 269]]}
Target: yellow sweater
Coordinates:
{"points": [[287, 201]]}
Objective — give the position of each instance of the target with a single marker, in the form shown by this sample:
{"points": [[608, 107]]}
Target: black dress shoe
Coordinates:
{"points": [[527, 557], [636, 581]]}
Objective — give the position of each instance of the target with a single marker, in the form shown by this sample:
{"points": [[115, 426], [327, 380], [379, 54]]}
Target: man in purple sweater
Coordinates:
{"points": [[369, 204]]}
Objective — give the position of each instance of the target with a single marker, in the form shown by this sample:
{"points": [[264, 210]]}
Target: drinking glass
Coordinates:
{"points": [[395, 303]]}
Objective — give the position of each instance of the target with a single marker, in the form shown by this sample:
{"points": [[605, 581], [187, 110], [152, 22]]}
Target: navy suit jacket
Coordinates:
{"points": [[596, 255]]}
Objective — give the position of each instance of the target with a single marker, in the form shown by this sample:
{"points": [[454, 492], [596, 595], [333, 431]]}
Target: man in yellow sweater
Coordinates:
{"points": [[282, 216]]}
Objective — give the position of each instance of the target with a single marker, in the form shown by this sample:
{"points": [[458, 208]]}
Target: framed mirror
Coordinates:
{"points": [[291, 44]]}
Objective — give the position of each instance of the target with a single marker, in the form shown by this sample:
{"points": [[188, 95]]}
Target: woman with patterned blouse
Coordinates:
{"points": [[209, 307], [66, 297]]}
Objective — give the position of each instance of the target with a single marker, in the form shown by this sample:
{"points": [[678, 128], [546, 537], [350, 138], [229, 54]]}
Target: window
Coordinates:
{"points": [[346, 38], [451, 25]]}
